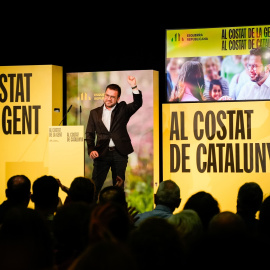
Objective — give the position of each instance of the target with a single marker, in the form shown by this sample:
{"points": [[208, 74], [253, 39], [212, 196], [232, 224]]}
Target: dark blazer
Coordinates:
{"points": [[97, 135]]}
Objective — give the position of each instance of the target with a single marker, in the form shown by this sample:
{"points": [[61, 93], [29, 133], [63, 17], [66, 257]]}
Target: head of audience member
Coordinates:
{"points": [[18, 190], [25, 241], [116, 194], [215, 90], [109, 222], [155, 244], [211, 67], [259, 64], [45, 194], [189, 227], [249, 199], [227, 224], [205, 205], [113, 194], [82, 189], [168, 194]]}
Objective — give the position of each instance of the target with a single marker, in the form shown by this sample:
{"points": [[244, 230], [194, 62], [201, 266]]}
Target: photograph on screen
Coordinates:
{"points": [[240, 74]]}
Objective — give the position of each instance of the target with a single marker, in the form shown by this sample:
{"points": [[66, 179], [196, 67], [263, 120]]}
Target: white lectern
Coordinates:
{"points": [[66, 154]]}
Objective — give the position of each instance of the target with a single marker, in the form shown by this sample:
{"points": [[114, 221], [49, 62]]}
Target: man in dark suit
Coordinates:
{"points": [[106, 134]]}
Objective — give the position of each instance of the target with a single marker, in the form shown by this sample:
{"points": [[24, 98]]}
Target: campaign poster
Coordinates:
{"points": [[215, 121], [85, 91]]}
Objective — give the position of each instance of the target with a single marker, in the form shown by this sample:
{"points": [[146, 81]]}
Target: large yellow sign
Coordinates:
{"points": [[217, 147], [31, 99], [211, 142]]}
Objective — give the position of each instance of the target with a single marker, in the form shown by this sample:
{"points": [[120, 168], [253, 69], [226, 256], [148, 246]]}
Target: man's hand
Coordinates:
{"points": [[64, 188], [94, 154], [133, 214], [119, 182], [131, 81]]}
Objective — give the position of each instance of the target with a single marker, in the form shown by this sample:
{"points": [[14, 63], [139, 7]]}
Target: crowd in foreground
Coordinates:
{"points": [[85, 233]]}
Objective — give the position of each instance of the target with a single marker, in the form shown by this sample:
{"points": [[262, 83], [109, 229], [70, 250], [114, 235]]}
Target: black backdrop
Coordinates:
{"points": [[105, 36]]}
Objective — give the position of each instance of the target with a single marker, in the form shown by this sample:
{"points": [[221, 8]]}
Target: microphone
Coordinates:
{"points": [[69, 108], [80, 114], [65, 115]]}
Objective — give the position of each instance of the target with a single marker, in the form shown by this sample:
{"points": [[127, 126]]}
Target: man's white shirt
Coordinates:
{"points": [[252, 90]]}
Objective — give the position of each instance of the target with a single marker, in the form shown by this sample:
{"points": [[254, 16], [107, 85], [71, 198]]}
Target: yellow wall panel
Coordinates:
{"points": [[216, 148], [28, 96]]}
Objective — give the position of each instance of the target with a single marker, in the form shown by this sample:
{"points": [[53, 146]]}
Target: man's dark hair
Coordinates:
{"points": [[18, 188], [205, 205], [113, 194], [82, 189], [115, 87], [250, 197], [263, 52], [45, 191], [168, 193]]}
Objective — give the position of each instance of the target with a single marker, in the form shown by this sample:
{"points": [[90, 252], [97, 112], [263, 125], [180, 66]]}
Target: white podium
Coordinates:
{"points": [[66, 154]]}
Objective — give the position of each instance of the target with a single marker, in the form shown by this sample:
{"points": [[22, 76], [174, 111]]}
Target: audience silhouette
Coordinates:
{"points": [[70, 230], [249, 200], [109, 222], [117, 195], [264, 220], [45, 197], [105, 255], [25, 242], [82, 189], [18, 194], [154, 240], [84, 234], [205, 205], [227, 224], [112, 194], [227, 241], [189, 227], [167, 199]]}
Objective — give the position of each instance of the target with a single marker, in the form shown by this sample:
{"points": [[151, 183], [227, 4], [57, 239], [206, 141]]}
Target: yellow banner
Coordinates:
{"points": [[216, 41], [31, 99], [217, 147]]}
